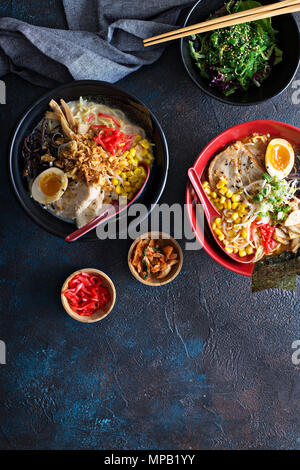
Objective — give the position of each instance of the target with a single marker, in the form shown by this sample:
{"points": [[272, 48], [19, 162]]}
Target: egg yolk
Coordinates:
{"points": [[50, 184], [280, 157]]}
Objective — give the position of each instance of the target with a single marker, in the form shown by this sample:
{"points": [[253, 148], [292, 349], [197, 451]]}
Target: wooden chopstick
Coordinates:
{"points": [[267, 11], [221, 19]]}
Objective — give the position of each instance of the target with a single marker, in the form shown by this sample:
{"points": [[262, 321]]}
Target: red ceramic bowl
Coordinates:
{"points": [[275, 129]]}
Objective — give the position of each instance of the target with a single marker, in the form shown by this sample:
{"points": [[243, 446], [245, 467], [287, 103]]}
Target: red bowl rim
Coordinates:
{"points": [[226, 262]]}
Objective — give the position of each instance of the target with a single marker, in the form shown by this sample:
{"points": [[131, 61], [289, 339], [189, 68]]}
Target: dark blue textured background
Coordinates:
{"points": [[201, 363]]}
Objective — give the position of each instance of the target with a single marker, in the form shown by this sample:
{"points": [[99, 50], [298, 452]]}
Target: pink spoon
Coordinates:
{"points": [[211, 214], [112, 210]]}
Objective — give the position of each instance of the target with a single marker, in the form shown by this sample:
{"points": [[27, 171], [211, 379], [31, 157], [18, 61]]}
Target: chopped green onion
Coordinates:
{"points": [[258, 197], [267, 177]]}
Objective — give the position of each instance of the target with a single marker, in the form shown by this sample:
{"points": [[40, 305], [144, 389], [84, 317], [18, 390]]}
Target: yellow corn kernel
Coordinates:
{"points": [[126, 183], [235, 216], [235, 250], [238, 220], [138, 137], [228, 249], [145, 144], [125, 154], [205, 184], [222, 200], [223, 191], [214, 226], [115, 182], [118, 189], [132, 152], [231, 233], [242, 253], [229, 205], [249, 250], [123, 175], [243, 206], [214, 195], [222, 182], [221, 206], [235, 205], [221, 237], [207, 190], [218, 232], [218, 221], [236, 198], [244, 233], [137, 171], [229, 194]]}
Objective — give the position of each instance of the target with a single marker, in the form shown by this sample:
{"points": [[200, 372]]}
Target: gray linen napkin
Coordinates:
{"points": [[104, 41]]}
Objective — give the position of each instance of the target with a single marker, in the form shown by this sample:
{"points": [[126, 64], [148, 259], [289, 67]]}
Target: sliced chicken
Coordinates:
{"points": [[68, 204], [293, 219], [295, 245], [90, 207], [94, 209], [294, 229], [80, 202], [240, 163], [258, 148], [281, 236], [92, 192]]}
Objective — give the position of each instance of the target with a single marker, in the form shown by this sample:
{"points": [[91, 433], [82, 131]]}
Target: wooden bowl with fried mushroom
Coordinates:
{"points": [[155, 259]]}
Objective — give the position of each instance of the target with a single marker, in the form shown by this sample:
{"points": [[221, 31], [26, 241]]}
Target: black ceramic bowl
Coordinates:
{"points": [[282, 74], [110, 95]]}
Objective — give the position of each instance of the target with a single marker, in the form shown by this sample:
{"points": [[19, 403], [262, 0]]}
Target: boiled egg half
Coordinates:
{"points": [[280, 158], [49, 186]]}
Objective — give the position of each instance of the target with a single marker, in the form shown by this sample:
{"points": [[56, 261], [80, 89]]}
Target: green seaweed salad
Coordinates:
{"points": [[237, 57]]}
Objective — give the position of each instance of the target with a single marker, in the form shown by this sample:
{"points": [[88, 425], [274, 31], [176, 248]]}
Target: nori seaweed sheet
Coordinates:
{"points": [[277, 272]]}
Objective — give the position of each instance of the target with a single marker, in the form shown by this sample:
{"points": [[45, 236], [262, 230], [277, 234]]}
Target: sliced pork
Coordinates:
{"points": [[240, 163]]}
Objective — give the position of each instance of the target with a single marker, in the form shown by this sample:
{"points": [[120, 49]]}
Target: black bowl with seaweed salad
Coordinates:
{"points": [[245, 64]]}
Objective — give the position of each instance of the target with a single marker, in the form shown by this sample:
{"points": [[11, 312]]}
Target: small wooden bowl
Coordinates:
{"points": [[99, 314], [166, 240]]}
